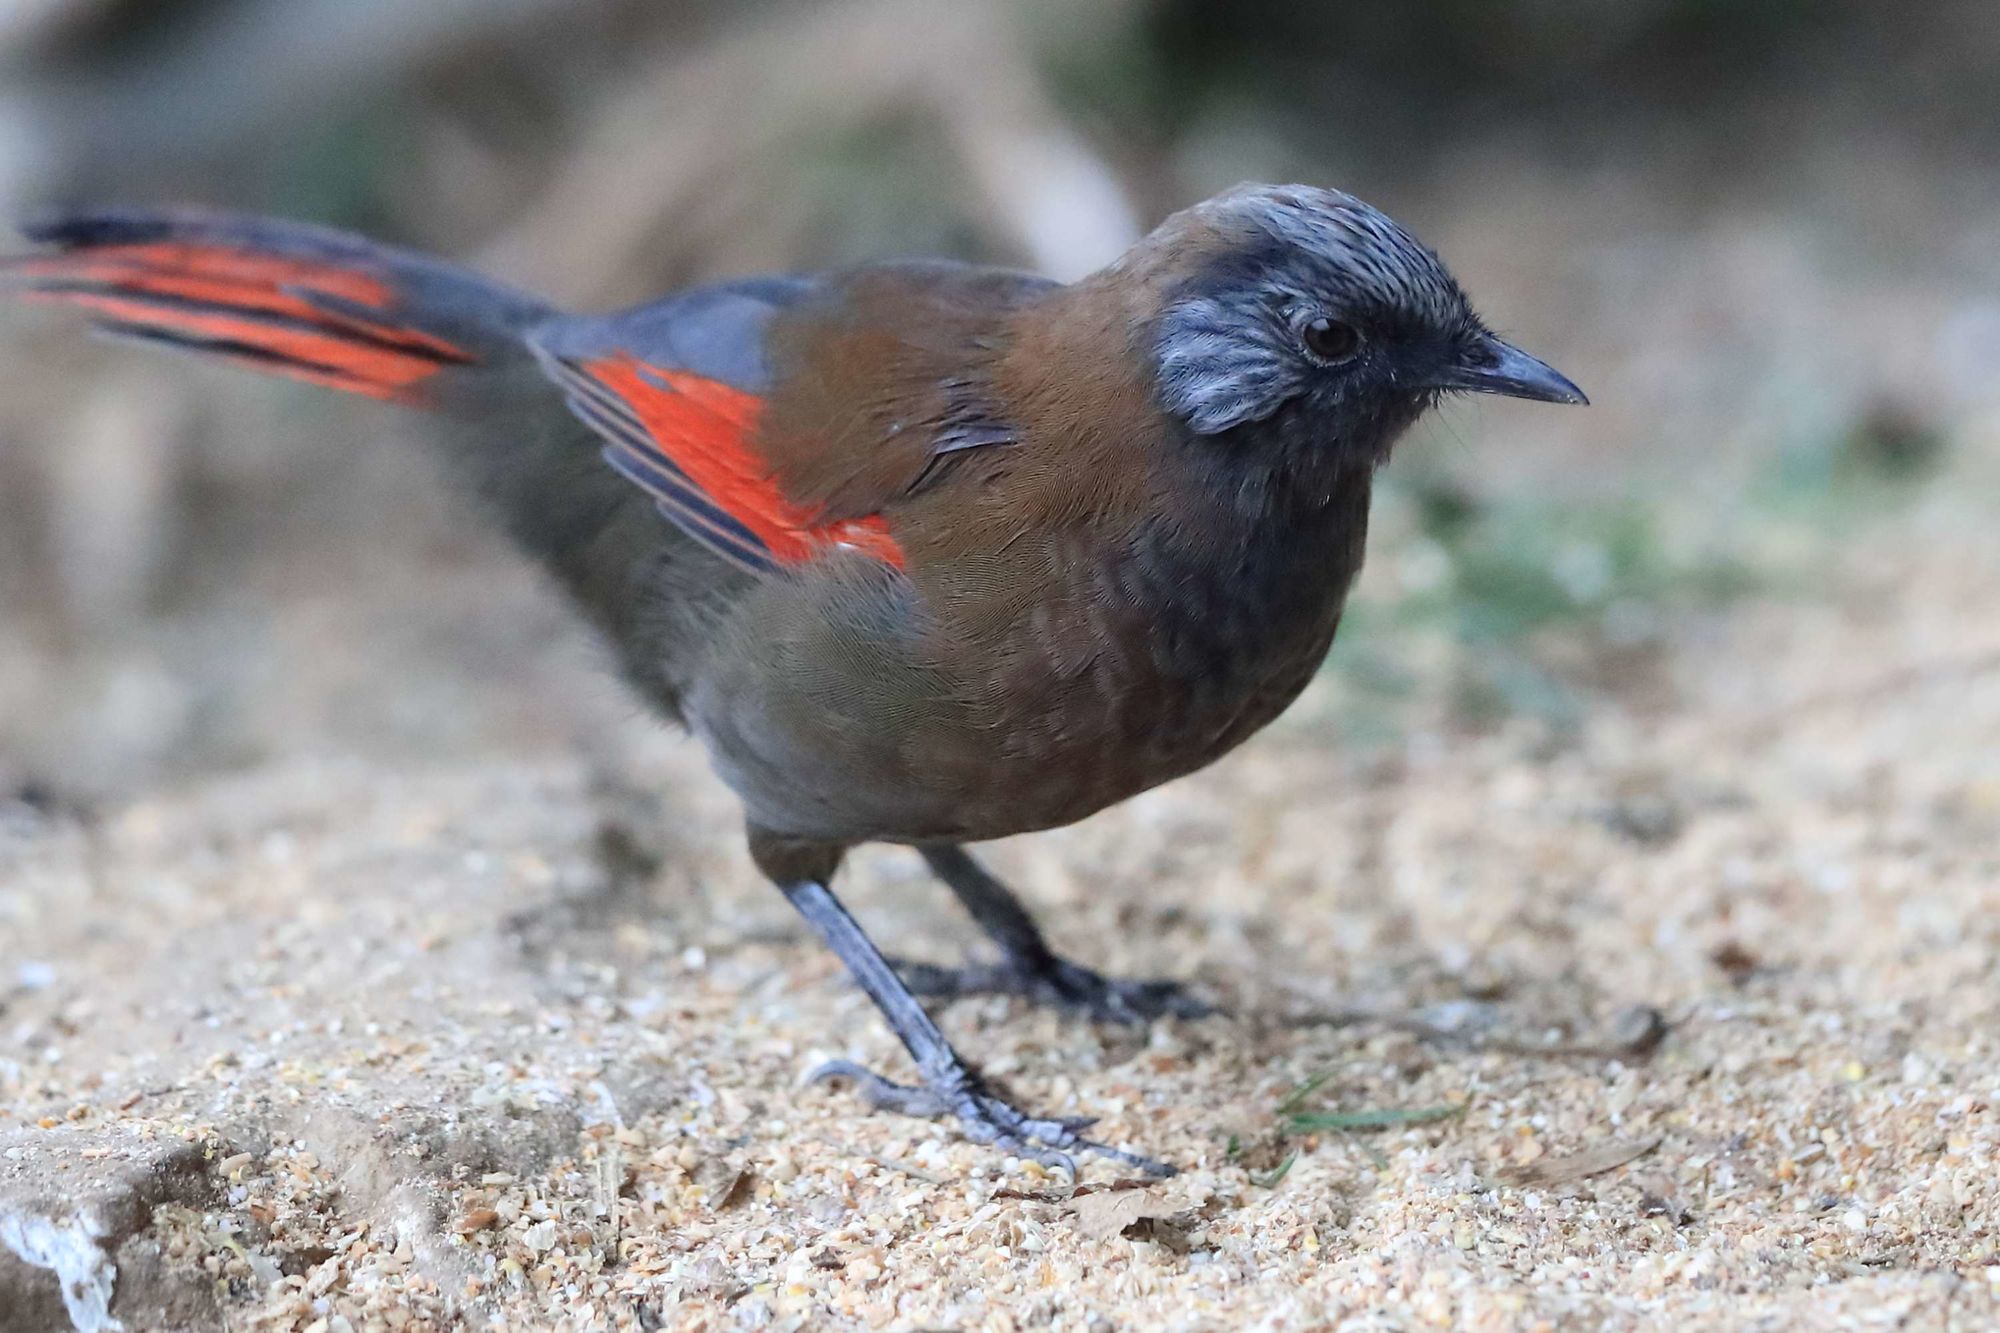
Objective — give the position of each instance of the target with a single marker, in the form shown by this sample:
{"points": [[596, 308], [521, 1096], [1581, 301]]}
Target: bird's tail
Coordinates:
{"points": [[338, 310], [294, 300]]}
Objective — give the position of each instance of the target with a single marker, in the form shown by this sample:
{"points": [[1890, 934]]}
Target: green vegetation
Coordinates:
{"points": [[1292, 1118], [1523, 607], [1387, 1117]]}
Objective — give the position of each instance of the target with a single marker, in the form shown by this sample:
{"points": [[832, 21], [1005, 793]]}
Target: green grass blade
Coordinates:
{"points": [[1385, 1118]]}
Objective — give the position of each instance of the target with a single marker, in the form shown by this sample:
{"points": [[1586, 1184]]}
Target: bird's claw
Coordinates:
{"points": [[985, 1117], [1062, 984]]}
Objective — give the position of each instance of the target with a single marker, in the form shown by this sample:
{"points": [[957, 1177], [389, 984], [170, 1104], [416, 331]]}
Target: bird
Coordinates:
{"points": [[922, 552]]}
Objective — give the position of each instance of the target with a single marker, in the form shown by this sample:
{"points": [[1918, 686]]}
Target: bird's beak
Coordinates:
{"points": [[1504, 369]]}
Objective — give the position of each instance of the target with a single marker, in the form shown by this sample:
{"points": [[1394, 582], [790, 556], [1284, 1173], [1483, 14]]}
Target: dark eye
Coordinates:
{"points": [[1330, 340]]}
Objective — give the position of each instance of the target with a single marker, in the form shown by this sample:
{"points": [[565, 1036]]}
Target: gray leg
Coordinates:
{"points": [[1027, 966], [950, 1086]]}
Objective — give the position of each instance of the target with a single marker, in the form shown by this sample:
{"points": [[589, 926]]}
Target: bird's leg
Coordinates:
{"points": [[950, 1085], [1027, 966]]}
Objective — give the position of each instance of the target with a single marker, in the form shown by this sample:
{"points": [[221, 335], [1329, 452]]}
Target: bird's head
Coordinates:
{"points": [[1313, 312]]}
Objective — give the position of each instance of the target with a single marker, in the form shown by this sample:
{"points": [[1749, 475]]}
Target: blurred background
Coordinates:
{"points": [[1764, 234]]}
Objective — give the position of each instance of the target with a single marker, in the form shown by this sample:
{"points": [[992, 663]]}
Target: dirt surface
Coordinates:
{"points": [[1703, 1000]]}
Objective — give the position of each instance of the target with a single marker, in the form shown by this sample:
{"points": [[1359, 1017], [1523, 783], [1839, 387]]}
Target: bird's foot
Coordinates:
{"points": [[1060, 983], [985, 1117]]}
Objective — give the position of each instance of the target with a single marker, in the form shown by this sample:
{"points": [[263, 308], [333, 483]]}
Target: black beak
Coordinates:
{"points": [[1498, 367]]}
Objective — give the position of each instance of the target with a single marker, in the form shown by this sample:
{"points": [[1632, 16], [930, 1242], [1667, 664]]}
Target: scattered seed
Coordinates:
{"points": [[479, 1219], [1551, 1171]]}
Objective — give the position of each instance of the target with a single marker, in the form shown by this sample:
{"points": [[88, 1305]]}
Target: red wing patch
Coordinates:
{"points": [[308, 320], [688, 441]]}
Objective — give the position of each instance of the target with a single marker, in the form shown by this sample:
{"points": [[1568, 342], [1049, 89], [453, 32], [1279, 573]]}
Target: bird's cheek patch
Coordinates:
{"points": [[1220, 368]]}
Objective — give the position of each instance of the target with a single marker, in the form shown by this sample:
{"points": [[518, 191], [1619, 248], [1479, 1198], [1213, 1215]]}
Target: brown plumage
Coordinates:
{"points": [[921, 552]]}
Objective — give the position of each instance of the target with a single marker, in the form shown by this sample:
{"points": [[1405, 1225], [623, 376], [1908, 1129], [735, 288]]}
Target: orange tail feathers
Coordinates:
{"points": [[334, 319]]}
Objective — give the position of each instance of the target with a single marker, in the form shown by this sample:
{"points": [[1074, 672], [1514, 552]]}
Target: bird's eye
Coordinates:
{"points": [[1330, 340]]}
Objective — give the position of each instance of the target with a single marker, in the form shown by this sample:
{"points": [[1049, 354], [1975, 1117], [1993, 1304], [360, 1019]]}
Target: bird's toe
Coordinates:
{"points": [[985, 1117]]}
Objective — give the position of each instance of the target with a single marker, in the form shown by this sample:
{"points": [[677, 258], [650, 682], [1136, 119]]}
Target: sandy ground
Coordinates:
{"points": [[334, 1045]]}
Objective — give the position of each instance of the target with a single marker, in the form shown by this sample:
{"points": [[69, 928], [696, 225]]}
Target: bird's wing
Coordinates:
{"points": [[777, 419], [677, 391]]}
